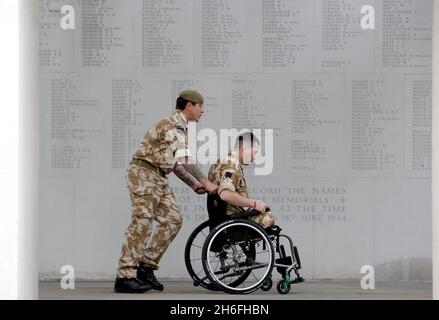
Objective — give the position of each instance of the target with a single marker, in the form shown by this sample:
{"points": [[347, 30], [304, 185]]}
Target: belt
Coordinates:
{"points": [[146, 164]]}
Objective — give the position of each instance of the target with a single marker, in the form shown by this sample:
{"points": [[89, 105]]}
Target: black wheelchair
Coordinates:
{"points": [[236, 255]]}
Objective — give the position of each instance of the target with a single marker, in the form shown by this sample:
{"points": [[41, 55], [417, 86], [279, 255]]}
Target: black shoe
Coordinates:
{"points": [[146, 275], [298, 280], [130, 285]]}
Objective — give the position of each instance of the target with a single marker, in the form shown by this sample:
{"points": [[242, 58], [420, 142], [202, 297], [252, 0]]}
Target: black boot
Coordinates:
{"points": [[130, 285], [146, 275]]}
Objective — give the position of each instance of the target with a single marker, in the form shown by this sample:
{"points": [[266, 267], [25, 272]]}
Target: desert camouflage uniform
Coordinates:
{"points": [[228, 175], [151, 197]]}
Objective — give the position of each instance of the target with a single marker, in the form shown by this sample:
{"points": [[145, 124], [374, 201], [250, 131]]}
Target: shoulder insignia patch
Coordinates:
{"points": [[178, 127]]}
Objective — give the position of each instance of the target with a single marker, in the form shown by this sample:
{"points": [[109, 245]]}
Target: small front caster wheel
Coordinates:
{"points": [[268, 283], [282, 287]]}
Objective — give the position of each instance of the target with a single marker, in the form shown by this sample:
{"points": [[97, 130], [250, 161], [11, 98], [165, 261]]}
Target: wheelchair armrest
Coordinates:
{"points": [[245, 214]]}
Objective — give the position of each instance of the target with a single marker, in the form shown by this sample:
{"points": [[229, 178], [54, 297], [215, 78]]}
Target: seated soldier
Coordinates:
{"points": [[228, 174]]}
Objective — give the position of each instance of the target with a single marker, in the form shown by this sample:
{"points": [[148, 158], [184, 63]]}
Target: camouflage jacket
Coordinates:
{"points": [[228, 174], [164, 142]]}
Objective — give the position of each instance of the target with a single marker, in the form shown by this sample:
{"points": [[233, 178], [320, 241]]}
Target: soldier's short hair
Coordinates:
{"points": [[181, 103], [246, 139]]}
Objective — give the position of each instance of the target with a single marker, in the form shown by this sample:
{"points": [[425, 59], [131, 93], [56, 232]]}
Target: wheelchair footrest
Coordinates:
{"points": [[286, 261], [296, 254]]}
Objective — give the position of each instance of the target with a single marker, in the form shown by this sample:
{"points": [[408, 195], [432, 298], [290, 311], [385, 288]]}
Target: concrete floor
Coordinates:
{"points": [[184, 290]]}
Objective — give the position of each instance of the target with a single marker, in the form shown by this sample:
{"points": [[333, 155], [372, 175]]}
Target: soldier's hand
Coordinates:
{"points": [[211, 188], [260, 206], [200, 190]]}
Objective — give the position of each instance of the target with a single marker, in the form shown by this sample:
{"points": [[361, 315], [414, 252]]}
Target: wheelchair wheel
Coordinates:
{"points": [[283, 287], [192, 256], [192, 259], [243, 261], [268, 283]]}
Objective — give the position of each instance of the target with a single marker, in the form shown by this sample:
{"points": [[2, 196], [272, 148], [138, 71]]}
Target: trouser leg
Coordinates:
{"points": [[264, 219], [137, 234], [169, 223]]}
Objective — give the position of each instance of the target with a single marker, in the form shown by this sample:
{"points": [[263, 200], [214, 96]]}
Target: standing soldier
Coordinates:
{"points": [[163, 149]]}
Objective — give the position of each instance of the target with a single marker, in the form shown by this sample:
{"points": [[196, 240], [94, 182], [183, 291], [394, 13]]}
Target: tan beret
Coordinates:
{"points": [[192, 96]]}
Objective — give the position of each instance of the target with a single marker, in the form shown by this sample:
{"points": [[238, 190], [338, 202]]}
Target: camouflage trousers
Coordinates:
{"points": [[152, 200], [264, 219]]}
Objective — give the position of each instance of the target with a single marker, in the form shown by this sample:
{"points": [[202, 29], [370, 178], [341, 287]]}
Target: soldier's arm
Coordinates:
{"points": [[182, 154], [186, 177], [237, 200], [194, 170], [229, 181], [234, 198]]}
